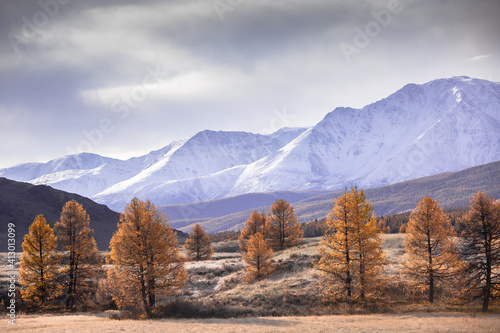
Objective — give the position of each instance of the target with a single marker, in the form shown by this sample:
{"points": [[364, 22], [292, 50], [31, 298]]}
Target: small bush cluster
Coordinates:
{"points": [[189, 309]]}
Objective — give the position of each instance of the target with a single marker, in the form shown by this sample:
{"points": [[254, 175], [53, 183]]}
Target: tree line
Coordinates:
{"points": [[62, 265], [353, 262]]}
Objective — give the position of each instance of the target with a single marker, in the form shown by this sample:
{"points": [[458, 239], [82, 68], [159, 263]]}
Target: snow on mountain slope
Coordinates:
{"points": [[199, 168], [420, 130], [30, 171], [444, 125], [180, 191], [85, 174], [203, 167]]}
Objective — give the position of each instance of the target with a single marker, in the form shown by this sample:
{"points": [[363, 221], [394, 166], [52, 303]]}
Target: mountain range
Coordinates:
{"points": [[441, 126]]}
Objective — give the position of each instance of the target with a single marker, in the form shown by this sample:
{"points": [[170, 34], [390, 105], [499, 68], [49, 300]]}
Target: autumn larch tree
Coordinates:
{"points": [[282, 228], [253, 225], [431, 254], [39, 264], [481, 248], [258, 258], [369, 257], [383, 227], [146, 258], [82, 263], [199, 246], [337, 252], [351, 256]]}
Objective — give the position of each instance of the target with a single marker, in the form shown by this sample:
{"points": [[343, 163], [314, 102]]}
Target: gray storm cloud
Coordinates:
{"points": [[68, 67]]}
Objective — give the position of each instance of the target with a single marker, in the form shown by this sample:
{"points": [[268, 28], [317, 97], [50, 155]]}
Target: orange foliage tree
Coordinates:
{"points": [[351, 255], [39, 264], [258, 258], [199, 246], [383, 227], [253, 225], [369, 258], [81, 260], [146, 258], [431, 253], [481, 248], [282, 228]]}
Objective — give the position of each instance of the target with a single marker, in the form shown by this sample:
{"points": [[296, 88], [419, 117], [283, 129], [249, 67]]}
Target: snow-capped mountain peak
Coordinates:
{"points": [[443, 125]]}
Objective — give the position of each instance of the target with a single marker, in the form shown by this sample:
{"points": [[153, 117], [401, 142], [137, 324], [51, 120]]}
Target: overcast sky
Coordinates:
{"points": [[122, 78]]}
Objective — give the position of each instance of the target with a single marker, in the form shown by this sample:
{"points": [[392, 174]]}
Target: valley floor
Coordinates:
{"points": [[436, 322]]}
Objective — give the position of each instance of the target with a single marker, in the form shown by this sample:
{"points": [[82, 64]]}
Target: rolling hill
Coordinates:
{"points": [[450, 189], [20, 203]]}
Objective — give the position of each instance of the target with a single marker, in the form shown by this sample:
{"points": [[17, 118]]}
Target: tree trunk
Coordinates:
{"points": [[348, 278], [431, 273], [43, 290], [362, 278], [143, 291], [282, 233], [486, 298], [151, 292], [362, 282], [69, 296], [431, 287], [487, 287]]}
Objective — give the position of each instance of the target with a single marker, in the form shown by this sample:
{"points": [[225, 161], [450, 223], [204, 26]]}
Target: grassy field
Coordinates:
{"points": [[288, 300], [438, 322]]}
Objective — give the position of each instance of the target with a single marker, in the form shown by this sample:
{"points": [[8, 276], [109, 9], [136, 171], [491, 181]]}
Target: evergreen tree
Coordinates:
{"points": [[39, 264], [431, 254], [255, 223], [258, 258], [281, 228], [199, 246], [81, 260], [146, 258], [481, 248]]}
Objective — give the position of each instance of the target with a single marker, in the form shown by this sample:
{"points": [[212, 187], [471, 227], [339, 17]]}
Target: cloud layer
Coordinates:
{"points": [[126, 77]]}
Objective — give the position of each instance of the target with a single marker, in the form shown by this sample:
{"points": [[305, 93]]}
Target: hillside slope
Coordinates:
{"points": [[450, 189], [21, 202]]}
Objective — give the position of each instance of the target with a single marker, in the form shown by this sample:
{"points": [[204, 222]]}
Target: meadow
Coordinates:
{"points": [[216, 299], [419, 322]]}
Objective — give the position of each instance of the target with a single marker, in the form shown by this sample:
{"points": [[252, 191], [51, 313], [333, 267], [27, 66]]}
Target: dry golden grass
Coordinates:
{"points": [[83, 323], [293, 289]]}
